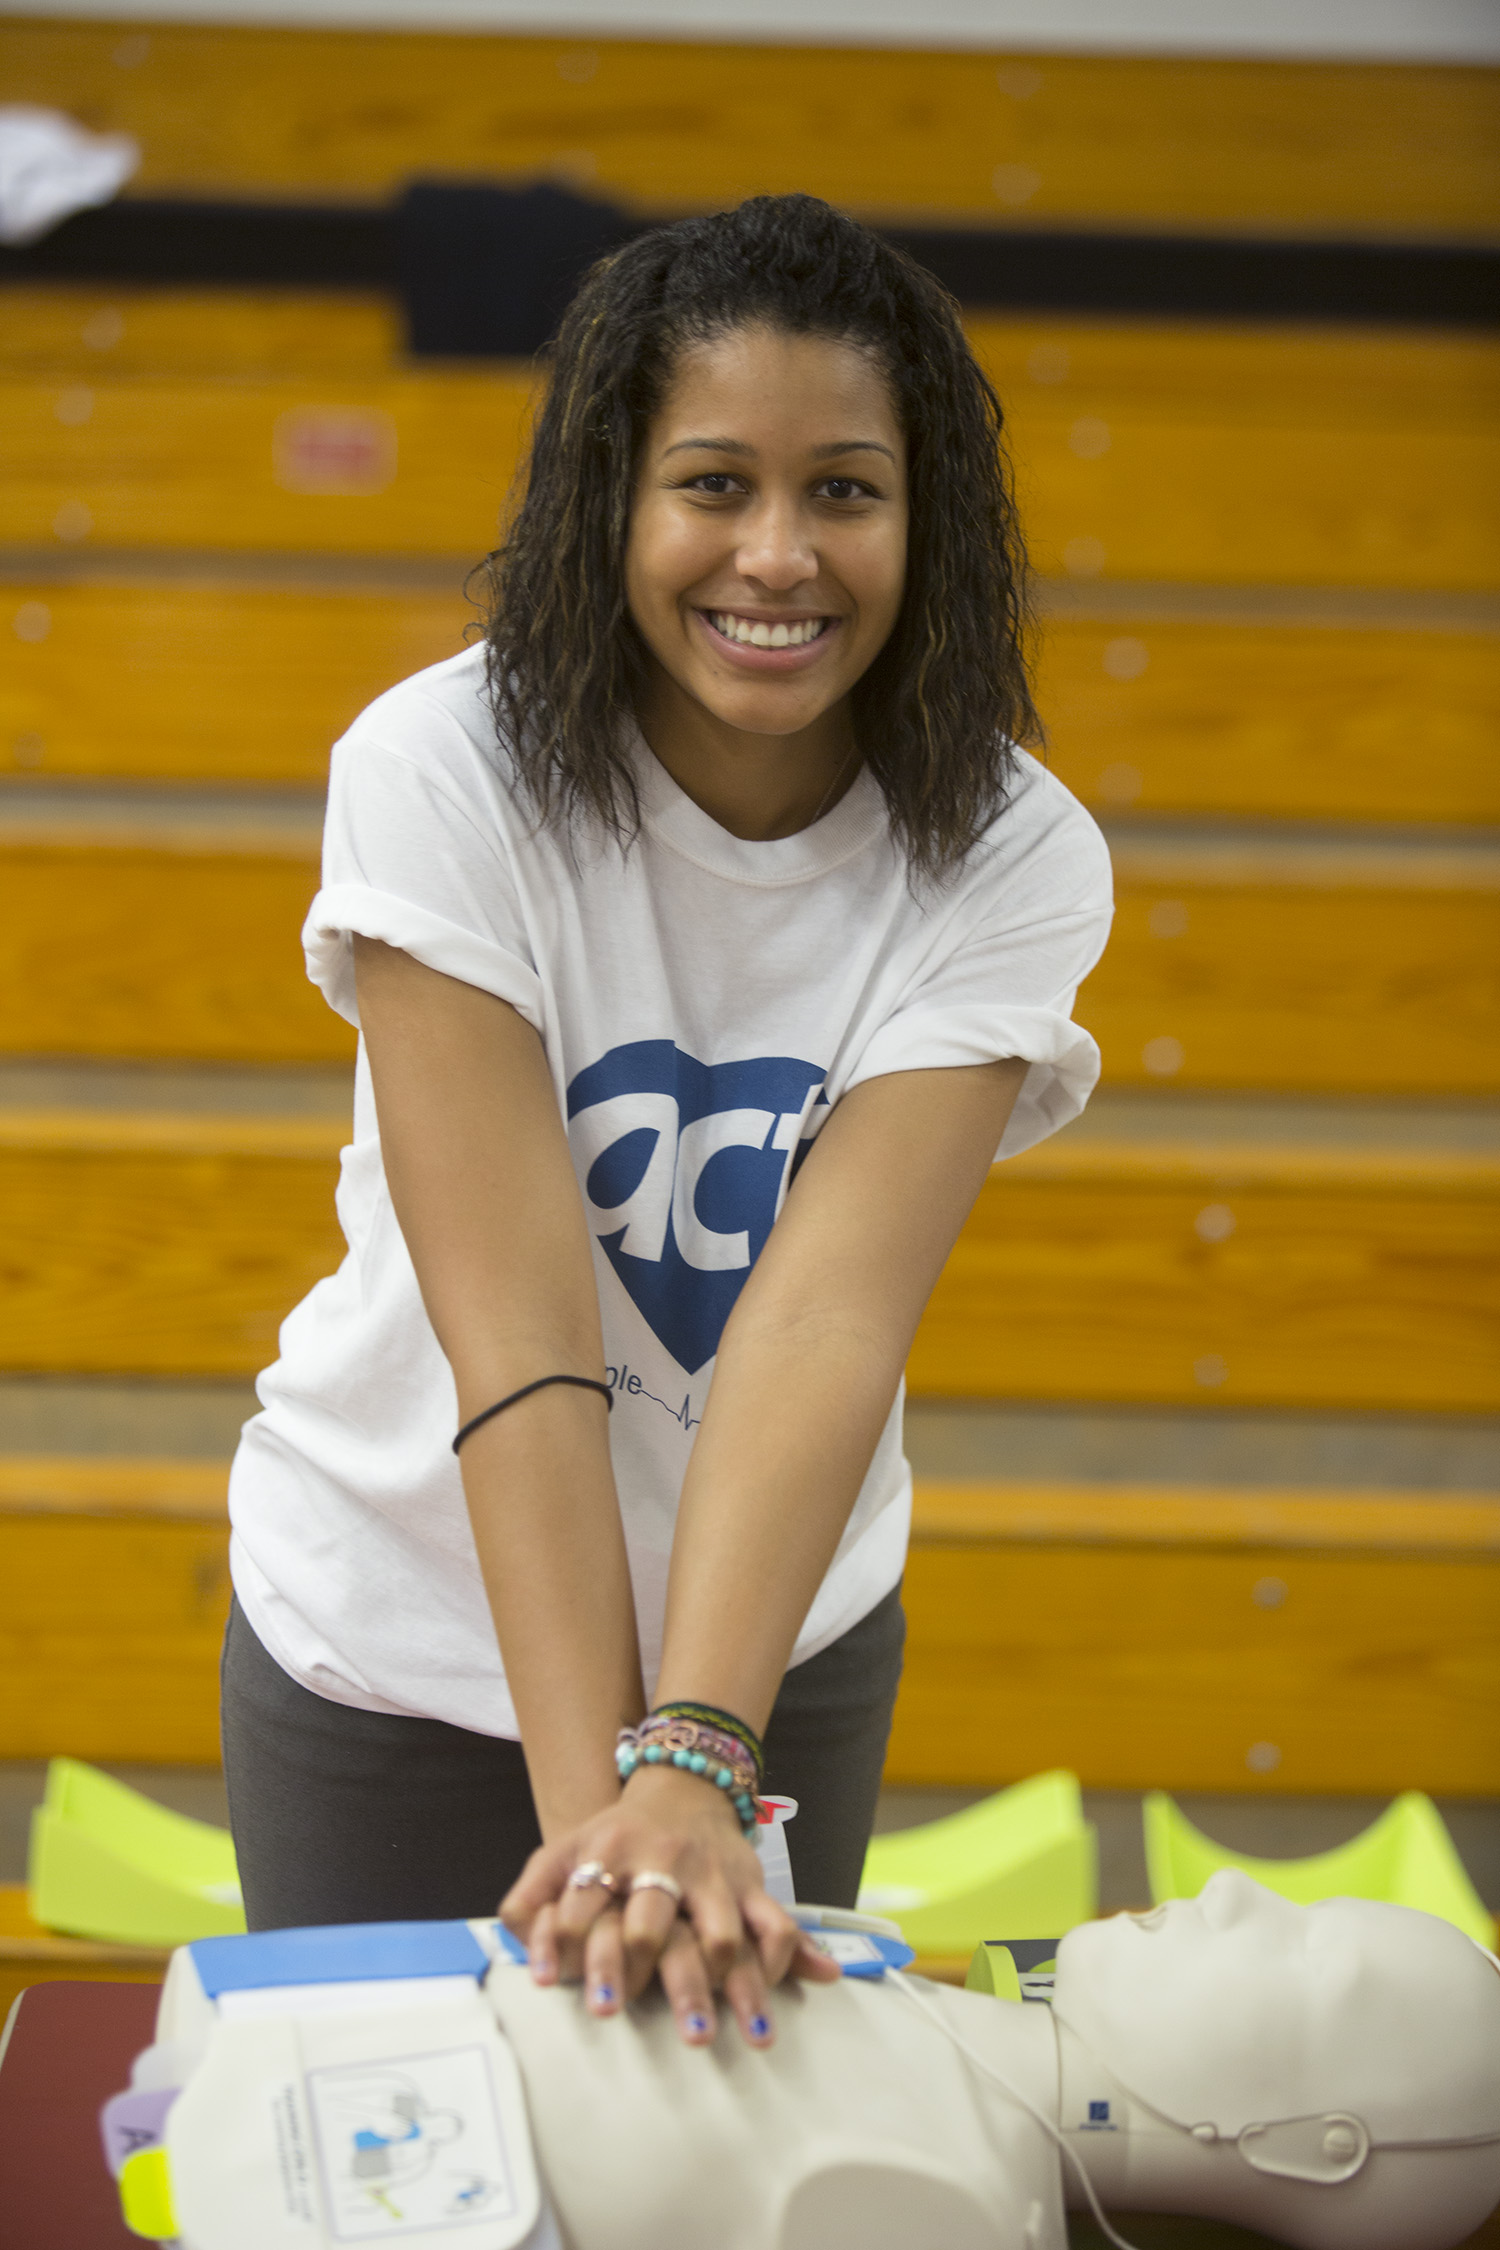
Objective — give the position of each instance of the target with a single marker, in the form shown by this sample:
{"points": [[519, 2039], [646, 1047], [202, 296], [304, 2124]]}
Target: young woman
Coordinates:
{"points": [[708, 936]]}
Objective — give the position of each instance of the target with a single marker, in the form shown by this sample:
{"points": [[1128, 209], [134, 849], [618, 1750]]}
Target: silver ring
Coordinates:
{"points": [[591, 1872], [651, 1879]]}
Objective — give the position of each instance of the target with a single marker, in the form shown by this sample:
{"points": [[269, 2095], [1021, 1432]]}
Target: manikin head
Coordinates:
{"points": [[1338, 2063]]}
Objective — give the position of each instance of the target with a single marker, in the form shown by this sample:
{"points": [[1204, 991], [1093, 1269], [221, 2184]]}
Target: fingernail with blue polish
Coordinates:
{"points": [[604, 1995], [697, 2024], [760, 2027]]}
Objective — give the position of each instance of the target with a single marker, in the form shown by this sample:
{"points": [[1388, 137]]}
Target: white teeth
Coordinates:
{"points": [[754, 633]]}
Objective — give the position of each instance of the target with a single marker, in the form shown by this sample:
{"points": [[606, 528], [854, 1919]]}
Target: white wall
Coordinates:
{"points": [[1376, 30]]}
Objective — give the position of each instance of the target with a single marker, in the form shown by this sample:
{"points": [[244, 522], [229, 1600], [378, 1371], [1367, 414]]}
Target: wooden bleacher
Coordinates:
{"points": [[1317, 1642], [1284, 1273], [1356, 1630], [1345, 968], [1168, 142], [1150, 709], [1214, 455], [147, 679], [1270, 596], [1302, 713], [117, 1588], [160, 1243]]}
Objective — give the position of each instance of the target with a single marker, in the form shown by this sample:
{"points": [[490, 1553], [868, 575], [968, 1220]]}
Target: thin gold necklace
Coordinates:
{"points": [[823, 802]]}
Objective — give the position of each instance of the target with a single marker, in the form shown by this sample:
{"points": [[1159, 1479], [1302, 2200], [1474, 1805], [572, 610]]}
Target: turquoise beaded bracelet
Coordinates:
{"points": [[738, 1787]]}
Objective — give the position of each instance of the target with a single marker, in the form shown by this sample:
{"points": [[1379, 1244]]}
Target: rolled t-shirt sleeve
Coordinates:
{"points": [[414, 855], [1006, 989]]}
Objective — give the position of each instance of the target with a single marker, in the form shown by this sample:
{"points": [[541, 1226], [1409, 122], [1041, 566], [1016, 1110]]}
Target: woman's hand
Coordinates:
{"points": [[727, 1936]]}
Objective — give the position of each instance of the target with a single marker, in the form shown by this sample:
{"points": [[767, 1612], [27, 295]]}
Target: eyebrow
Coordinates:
{"points": [[739, 447]]}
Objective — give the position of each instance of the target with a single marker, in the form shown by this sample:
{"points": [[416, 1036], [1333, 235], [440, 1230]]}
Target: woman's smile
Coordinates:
{"points": [[763, 641]]}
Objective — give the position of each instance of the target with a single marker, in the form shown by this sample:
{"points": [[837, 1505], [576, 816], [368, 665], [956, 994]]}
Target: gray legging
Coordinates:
{"points": [[355, 1816]]}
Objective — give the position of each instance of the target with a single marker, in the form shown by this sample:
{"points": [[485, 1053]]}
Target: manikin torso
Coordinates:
{"points": [[863, 2125], [1328, 2076]]}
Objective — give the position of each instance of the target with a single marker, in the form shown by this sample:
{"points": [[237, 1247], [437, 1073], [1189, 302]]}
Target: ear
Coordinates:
{"points": [[1324, 2150]]}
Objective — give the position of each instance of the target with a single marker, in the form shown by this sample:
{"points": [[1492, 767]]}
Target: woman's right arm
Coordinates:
{"points": [[483, 1187]]}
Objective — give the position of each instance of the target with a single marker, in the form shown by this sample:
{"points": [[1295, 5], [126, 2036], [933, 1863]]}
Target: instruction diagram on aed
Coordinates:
{"points": [[410, 2144]]}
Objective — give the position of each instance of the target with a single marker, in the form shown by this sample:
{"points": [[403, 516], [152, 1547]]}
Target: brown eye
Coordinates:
{"points": [[844, 488]]}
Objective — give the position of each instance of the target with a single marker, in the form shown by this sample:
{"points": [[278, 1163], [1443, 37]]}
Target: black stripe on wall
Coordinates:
{"points": [[485, 271]]}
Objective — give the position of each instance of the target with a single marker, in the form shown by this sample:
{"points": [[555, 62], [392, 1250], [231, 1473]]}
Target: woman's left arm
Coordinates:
{"points": [[807, 1370]]}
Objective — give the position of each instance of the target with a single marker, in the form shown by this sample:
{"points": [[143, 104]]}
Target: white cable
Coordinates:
{"points": [[1053, 2132]]}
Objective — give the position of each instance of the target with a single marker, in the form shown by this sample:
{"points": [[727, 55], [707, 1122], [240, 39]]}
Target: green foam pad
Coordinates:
{"points": [[109, 1864], [1024, 1862], [1406, 1857]]}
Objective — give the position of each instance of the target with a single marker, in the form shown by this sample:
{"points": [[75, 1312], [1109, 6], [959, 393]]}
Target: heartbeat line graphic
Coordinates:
{"points": [[627, 1384]]}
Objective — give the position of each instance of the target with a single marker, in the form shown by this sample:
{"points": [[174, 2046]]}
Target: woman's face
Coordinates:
{"points": [[766, 555]]}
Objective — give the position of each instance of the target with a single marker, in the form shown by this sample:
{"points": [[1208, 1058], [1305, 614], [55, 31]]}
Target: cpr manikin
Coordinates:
{"points": [[1328, 2076]]}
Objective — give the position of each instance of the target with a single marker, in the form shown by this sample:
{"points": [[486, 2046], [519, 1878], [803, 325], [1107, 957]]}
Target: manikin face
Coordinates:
{"points": [[1237, 2008], [766, 556]]}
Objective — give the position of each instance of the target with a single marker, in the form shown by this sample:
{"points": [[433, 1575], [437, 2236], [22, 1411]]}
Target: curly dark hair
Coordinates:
{"points": [[939, 708]]}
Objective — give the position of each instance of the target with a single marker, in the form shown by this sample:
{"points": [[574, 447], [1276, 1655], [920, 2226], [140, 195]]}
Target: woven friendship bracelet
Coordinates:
{"points": [[672, 1735], [723, 1722]]}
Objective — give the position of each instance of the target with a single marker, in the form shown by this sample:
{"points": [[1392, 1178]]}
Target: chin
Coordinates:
{"points": [[1408, 2199], [764, 714]]}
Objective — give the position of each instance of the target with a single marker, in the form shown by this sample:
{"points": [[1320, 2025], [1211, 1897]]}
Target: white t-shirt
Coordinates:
{"points": [[703, 1000]]}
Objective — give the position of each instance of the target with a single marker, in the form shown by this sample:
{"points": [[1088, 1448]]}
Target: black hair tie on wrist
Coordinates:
{"points": [[578, 1382]]}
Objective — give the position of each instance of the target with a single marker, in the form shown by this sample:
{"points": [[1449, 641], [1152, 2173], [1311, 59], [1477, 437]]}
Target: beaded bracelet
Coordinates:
{"points": [[679, 1742]]}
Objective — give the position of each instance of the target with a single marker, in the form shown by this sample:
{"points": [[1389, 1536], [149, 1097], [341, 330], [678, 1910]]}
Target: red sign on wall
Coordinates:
{"points": [[334, 449]]}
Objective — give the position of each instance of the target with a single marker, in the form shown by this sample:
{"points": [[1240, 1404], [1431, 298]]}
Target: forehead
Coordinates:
{"points": [[812, 389]]}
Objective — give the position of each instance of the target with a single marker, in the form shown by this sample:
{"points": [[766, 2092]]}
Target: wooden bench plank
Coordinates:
{"points": [[1145, 1636], [1135, 140], [220, 682], [1025, 1511], [159, 953], [1199, 1667], [1164, 451], [1336, 968], [88, 1484], [1241, 1277], [109, 1643], [228, 682], [160, 1245], [1268, 970], [1273, 721], [362, 465], [79, 330], [1103, 1270]]}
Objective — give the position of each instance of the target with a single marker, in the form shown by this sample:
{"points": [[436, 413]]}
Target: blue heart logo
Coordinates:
{"points": [[682, 1165]]}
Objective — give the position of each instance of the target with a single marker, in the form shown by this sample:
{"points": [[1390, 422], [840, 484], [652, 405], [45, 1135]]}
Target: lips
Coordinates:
{"points": [[763, 644]]}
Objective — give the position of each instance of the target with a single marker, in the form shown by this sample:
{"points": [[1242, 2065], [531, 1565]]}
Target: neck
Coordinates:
{"points": [[758, 786], [1137, 2161]]}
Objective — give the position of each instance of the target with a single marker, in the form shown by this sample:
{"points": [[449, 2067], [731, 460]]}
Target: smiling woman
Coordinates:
{"points": [[764, 571], [771, 390], [708, 934]]}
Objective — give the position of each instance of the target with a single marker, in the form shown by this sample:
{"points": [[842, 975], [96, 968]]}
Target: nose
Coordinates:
{"points": [[776, 549]]}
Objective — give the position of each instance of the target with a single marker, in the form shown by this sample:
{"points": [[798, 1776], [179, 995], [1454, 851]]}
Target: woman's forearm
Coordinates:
{"points": [[808, 1368], [795, 1415], [483, 1187], [547, 1527]]}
